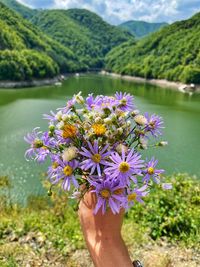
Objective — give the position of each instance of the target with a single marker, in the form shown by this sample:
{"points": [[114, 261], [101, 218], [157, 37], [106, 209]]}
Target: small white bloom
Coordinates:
{"points": [[60, 125], [121, 147], [65, 117], [98, 120], [79, 99], [140, 119], [69, 153], [59, 115], [128, 123]]}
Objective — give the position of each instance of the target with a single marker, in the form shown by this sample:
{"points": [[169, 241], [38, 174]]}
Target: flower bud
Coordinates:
{"points": [[69, 153], [163, 143], [51, 128], [60, 125], [120, 131], [108, 121], [121, 147], [135, 112], [140, 119], [59, 116], [98, 120]]}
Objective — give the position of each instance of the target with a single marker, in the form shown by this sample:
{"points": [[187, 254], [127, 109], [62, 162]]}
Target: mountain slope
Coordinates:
{"points": [[172, 53], [19, 8], [26, 52], [141, 28], [84, 32]]}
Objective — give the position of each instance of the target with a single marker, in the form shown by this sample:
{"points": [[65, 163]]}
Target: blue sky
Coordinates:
{"points": [[117, 11]]}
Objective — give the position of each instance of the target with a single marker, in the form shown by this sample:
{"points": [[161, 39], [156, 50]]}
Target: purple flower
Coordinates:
{"points": [[166, 186], [91, 102], [39, 145], [124, 166], [108, 193], [154, 124], [135, 195], [124, 101], [65, 171], [52, 117], [151, 171], [96, 157]]}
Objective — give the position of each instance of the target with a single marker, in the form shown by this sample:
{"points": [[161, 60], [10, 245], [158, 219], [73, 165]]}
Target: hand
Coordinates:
{"points": [[103, 234]]}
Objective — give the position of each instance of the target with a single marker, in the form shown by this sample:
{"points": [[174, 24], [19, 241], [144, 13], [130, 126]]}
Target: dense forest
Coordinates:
{"points": [[24, 11], [172, 53], [26, 52], [84, 32], [141, 28]]}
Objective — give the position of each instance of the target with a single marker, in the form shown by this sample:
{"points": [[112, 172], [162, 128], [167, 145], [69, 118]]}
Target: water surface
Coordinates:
{"points": [[21, 110]]}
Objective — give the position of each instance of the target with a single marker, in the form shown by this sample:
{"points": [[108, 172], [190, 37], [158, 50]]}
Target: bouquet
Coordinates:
{"points": [[94, 144]]}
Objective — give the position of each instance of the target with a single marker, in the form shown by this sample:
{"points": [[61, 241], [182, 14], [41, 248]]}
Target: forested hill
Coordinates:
{"points": [[172, 53], [84, 32], [141, 28], [19, 8], [26, 52]]}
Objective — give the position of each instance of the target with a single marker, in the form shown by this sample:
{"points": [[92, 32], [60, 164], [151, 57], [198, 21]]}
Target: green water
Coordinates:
{"points": [[21, 110]]}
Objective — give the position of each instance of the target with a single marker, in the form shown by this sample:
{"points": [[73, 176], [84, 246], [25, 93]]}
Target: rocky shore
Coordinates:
{"points": [[185, 88]]}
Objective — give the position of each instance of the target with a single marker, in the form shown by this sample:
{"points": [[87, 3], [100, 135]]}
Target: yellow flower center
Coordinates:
{"points": [[150, 170], [99, 129], [96, 158], [118, 191], [105, 193], [68, 170], [123, 101], [152, 124], [69, 131], [55, 165], [124, 167], [44, 147], [132, 197], [37, 143]]}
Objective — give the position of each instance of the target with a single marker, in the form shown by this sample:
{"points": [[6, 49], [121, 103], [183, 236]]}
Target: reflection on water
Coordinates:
{"points": [[22, 109]]}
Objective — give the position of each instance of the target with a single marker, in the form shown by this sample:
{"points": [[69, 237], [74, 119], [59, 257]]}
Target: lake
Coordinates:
{"points": [[21, 110]]}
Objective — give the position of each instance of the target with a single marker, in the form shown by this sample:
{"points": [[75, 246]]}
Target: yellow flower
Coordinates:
{"points": [[99, 129], [69, 131]]}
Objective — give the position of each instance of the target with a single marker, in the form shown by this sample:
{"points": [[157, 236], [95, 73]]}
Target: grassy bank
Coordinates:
{"points": [[47, 231]]}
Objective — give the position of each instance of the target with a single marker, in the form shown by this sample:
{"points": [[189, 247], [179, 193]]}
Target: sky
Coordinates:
{"points": [[118, 11]]}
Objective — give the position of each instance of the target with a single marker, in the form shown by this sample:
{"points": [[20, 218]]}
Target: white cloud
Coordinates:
{"points": [[117, 11]]}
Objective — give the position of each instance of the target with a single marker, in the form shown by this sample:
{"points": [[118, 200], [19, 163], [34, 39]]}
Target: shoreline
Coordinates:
{"points": [[178, 86], [57, 81], [26, 84]]}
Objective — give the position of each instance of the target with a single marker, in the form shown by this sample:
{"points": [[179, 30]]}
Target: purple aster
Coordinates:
{"points": [[135, 195], [91, 102], [39, 145], [124, 167], [51, 117], [151, 171], [108, 193], [95, 157], [166, 186], [124, 101], [154, 124], [65, 171]]}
